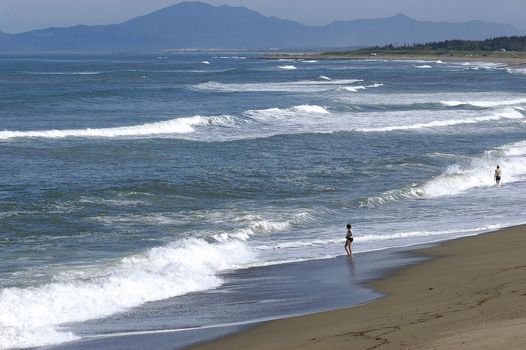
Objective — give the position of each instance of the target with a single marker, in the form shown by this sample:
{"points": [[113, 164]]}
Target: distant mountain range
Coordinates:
{"points": [[197, 25]]}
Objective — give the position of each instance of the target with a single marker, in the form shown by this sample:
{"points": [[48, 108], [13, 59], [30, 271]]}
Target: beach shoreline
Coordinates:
{"points": [[511, 59], [469, 295]]}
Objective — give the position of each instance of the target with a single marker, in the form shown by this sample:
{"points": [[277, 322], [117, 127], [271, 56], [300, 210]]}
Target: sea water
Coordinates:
{"points": [[131, 179]]}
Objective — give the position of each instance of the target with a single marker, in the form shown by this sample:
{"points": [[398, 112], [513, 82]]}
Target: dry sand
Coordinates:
{"points": [[471, 296]]}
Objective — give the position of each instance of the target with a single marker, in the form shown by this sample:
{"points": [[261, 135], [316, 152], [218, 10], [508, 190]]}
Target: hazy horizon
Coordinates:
{"points": [[17, 16]]}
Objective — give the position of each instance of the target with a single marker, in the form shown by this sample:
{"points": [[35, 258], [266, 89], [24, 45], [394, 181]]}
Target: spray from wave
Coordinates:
{"points": [[32, 316]]}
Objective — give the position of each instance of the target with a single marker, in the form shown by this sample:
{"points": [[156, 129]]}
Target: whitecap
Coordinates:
{"points": [[288, 67], [172, 126], [32, 316]]}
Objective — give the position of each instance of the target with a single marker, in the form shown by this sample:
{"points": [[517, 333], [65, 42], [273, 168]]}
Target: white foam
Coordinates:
{"points": [[173, 126], [415, 234], [32, 316], [485, 103], [286, 113], [323, 77], [205, 62], [357, 88], [293, 86], [484, 65], [508, 113], [288, 67], [310, 109], [67, 73], [353, 88], [516, 70], [425, 66]]}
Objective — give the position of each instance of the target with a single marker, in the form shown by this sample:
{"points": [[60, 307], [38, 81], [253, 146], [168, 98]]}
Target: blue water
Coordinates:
{"points": [[130, 178]]}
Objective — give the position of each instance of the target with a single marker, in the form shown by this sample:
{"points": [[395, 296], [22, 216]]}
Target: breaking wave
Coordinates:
{"points": [[297, 86], [462, 177], [273, 121], [284, 113], [173, 126], [360, 87], [32, 316], [503, 114], [485, 104]]}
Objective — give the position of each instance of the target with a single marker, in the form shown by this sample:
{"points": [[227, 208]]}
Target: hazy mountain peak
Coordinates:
{"points": [[195, 24]]}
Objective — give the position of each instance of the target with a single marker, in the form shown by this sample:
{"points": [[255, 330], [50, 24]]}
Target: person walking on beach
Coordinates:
{"points": [[348, 240], [498, 173]]}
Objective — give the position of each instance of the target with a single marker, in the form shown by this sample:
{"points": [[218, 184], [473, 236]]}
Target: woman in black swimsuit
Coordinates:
{"points": [[348, 240]]}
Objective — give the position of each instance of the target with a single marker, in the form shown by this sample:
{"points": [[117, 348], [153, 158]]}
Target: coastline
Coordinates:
{"points": [[511, 59], [470, 295]]}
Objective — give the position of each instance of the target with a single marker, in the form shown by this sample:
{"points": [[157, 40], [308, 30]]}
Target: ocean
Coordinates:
{"points": [[150, 193]]}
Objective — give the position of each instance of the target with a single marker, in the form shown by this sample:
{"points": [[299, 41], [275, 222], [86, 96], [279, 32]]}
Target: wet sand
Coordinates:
{"points": [[470, 295]]}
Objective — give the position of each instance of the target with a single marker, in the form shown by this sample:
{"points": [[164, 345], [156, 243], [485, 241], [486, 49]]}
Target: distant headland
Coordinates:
{"points": [[509, 50]]}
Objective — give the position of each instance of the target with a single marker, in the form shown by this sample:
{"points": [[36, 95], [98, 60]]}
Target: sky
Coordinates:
{"points": [[23, 15]]}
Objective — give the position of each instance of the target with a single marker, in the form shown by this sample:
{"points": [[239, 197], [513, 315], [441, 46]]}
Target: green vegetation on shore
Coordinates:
{"points": [[502, 46]]}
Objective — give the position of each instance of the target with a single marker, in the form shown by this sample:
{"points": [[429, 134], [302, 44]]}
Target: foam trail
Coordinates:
{"points": [[414, 234], [484, 65], [173, 126], [424, 66], [353, 88], [486, 104], [66, 73], [516, 70], [294, 86], [288, 67], [32, 316], [504, 114], [376, 238], [357, 88]]}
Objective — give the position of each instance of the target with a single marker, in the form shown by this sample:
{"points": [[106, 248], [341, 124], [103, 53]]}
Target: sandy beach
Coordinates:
{"points": [[512, 59], [470, 295]]}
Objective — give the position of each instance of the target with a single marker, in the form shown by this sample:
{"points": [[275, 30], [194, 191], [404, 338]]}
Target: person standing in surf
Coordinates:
{"points": [[348, 240], [498, 173]]}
